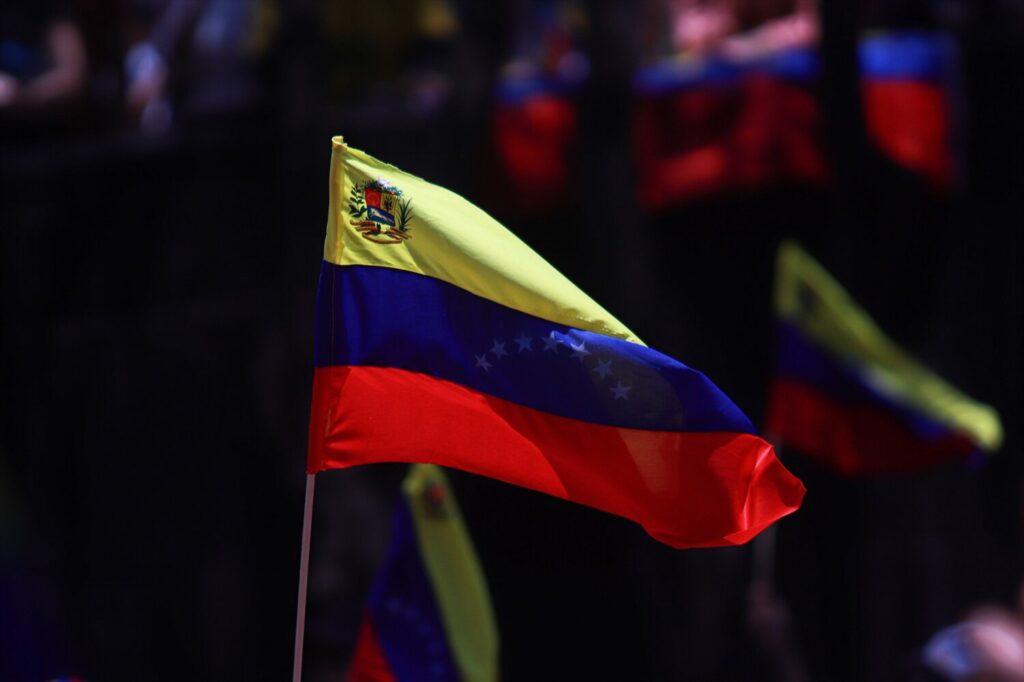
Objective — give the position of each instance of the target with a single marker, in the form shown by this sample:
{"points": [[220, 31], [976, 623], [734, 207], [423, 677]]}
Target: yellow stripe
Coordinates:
{"points": [[453, 240], [455, 573], [807, 296]]}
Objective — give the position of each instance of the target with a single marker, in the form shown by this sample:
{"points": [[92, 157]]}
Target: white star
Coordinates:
{"points": [[579, 352], [481, 362], [550, 342], [604, 368], [523, 342], [621, 391], [499, 349]]}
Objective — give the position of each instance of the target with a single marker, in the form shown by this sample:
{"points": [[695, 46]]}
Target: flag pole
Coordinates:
{"points": [[300, 616]]}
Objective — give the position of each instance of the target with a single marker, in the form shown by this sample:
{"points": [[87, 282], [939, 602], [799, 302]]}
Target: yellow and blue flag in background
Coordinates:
{"points": [[429, 614]]}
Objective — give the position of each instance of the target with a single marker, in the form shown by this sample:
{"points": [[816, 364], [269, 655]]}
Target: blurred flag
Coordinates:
{"points": [[908, 86], [442, 338], [733, 106], [847, 395], [429, 613], [535, 129], [707, 125], [536, 115]]}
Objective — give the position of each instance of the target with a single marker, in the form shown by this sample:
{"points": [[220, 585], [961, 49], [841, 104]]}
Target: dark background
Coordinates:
{"points": [[156, 289]]}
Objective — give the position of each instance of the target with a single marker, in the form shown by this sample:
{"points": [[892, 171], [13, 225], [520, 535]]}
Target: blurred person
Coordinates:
{"points": [[988, 646], [157, 31], [43, 62], [743, 29], [195, 55]]}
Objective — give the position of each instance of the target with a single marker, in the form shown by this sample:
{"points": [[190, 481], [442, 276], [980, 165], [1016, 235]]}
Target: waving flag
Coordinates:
{"points": [[429, 614], [443, 338], [847, 395]]}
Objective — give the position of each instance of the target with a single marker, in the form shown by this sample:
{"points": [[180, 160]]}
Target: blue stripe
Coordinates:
{"points": [[799, 65], [801, 360], [393, 318], [906, 55], [517, 90], [404, 611]]}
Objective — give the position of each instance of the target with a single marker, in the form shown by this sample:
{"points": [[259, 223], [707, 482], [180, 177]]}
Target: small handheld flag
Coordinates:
{"points": [[908, 86], [429, 614], [441, 337], [847, 395]]}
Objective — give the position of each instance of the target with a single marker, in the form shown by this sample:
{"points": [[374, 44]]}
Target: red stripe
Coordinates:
{"points": [[685, 489], [910, 121], [853, 439], [368, 661]]}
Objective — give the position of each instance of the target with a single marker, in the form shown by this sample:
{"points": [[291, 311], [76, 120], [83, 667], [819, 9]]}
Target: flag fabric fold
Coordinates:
{"points": [[441, 337], [848, 396], [429, 614]]}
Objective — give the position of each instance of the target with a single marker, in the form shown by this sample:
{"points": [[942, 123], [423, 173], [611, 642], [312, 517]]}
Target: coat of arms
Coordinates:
{"points": [[380, 212]]}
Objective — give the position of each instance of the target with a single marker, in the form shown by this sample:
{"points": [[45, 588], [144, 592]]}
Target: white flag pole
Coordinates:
{"points": [[300, 616]]}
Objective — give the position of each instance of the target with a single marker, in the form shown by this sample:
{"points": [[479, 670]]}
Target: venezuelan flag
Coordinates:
{"points": [[847, 395], [429, 614], [908, 87], [445, 339]]}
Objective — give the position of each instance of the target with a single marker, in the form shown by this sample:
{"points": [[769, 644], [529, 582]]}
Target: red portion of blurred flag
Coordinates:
{"points": [[910, 121], [368, 661], [533, 138], [855, 439], [734, 131]]}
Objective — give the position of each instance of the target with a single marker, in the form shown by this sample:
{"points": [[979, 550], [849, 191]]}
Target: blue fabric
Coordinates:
{"points": [[393, 318], [404, 612], [798, 65], [516, 90], [906, 55], [801, 360]]}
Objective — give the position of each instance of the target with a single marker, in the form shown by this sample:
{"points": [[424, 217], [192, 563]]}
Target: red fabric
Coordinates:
{"points": [[853, 439], [685, 489], [910, 121], [533, 139], [715, 139], [368, 662]]}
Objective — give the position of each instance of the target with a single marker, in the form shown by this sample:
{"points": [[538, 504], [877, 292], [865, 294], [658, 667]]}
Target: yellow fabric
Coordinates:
{"points": [[455, 573], [807, 296], [452, 240]]}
